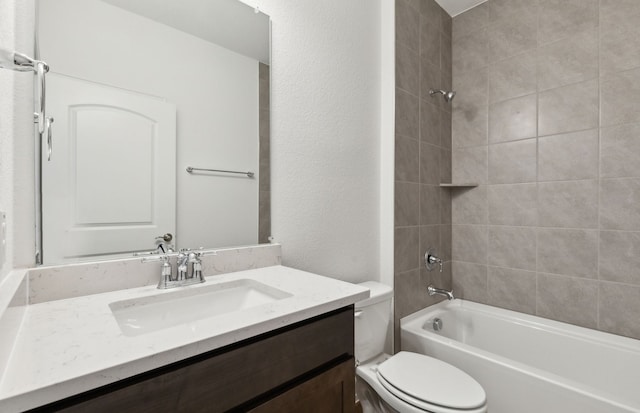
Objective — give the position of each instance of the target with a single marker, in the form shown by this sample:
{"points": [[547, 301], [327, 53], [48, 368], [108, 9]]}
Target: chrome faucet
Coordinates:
{"points": [[185, 259], [439, 291]]}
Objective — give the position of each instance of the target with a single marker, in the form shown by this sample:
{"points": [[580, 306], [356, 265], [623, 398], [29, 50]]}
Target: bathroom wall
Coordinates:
{"points": [[422, 153], [16, 139], [264, 198], [6, 133], [325, 128], [546, 120]]}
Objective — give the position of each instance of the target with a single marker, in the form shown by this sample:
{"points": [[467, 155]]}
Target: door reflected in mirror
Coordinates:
{"points": [[141, 90]]}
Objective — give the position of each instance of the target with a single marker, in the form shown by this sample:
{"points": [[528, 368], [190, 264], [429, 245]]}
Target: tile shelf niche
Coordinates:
{"points": [[458, 185]]}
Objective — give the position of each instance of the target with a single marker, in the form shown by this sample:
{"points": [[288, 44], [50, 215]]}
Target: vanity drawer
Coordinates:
{"points": [[238, 377], [332, 391]]}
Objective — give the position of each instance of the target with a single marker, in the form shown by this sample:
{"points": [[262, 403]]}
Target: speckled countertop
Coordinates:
{"points": [[65, 347]]}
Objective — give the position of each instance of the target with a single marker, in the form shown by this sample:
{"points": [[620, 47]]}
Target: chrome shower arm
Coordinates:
{"points": [[20, 62], [448, 95]]}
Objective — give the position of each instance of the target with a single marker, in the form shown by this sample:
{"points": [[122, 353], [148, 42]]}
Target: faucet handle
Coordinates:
{"points": [[165, 274], [441, 264], [166, 268], [196, 265], [430, 260], [197, 270], [182, 265]]}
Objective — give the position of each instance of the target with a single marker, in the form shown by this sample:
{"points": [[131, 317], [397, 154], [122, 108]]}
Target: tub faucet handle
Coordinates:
{"points": [[430, 260]]}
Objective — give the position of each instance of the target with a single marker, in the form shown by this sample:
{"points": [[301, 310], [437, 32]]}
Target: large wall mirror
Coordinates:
{"points": [[141, 90]]}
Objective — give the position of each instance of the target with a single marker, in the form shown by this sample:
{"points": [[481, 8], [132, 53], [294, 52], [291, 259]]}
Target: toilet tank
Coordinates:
{"points": [[372, 321]]}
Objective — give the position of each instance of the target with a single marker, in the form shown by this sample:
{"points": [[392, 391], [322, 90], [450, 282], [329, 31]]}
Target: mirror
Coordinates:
{"points": [[140, 91]]}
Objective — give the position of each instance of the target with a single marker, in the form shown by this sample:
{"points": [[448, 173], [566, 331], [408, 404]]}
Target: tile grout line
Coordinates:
{"points": [[537, 151], [487, 134], [598, 30], [542, 228], [421, 144]]}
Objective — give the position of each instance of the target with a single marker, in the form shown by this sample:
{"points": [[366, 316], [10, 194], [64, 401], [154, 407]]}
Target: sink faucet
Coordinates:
{"points": [[185, 260], [439, 291]]}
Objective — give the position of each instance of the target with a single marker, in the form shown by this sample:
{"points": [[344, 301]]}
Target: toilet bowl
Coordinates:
{"points": [[405, 382]]}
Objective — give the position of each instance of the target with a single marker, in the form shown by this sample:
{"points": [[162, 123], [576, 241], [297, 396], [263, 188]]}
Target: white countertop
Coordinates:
{"points": [[65, 347]]}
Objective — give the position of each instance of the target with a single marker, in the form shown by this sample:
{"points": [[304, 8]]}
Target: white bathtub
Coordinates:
{"points": [[528, 364]]}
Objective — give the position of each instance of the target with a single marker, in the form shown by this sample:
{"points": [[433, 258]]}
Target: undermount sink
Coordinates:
{"points": [[156, 312]]}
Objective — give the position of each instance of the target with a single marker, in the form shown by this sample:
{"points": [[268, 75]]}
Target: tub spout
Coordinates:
{"points": [[439, 291]]}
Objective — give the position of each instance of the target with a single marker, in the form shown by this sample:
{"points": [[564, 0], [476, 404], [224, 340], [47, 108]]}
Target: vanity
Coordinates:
{"points": [[272, 339]]}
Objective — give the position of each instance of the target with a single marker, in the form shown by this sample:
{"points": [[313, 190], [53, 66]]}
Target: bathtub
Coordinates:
{"points": [[528, 364]]}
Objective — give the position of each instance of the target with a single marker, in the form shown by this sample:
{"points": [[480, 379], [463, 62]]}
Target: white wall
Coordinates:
{"points": [[325, 129], [215, 91], [16, 138], [387, 139]]}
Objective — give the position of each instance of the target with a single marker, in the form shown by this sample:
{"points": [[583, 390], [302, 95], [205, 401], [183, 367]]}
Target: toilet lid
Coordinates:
{"points": [[431, 381]]}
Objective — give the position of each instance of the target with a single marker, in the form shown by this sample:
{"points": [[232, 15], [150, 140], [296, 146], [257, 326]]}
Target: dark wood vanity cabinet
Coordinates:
{"points": [[326, 392], [306, 367]]}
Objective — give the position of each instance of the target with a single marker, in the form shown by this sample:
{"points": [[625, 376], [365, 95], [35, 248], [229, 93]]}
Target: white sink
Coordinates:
{"points": [[183, 306]]}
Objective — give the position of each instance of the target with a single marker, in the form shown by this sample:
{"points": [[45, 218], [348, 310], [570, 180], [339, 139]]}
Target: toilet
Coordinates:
{"points": [[405, 382]]}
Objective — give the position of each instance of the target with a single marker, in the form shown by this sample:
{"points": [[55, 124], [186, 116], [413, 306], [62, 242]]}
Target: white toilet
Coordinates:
{"points": [[406, 382]]}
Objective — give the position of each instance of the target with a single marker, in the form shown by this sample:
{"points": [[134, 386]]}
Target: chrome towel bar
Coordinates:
{"points": [[191, 169]]}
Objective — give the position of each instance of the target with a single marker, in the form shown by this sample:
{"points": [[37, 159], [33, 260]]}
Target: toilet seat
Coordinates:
{"points": [[426, 382], [418, 383]]}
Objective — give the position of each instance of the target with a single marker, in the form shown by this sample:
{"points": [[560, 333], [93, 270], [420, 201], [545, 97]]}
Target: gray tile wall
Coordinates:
{"points": [[422, 152], [264, 125], [547, 120]]}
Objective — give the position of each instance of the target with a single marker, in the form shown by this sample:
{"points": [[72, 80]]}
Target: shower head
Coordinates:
{"points": [[448, 95]]}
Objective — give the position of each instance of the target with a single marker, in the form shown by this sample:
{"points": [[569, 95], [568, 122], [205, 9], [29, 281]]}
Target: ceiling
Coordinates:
{"points": [[227, 23], [455, 7]]}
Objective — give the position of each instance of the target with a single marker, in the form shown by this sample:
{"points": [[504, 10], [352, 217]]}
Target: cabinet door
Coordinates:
{"points": [[329, 392]]}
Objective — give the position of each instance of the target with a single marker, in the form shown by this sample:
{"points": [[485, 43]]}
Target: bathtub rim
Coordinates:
{"points": [[559, 327], [412, 324]]}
